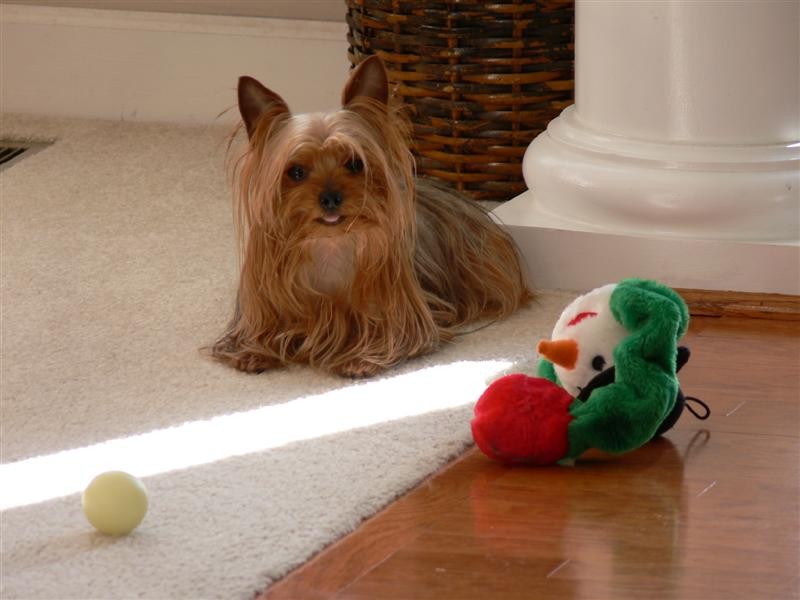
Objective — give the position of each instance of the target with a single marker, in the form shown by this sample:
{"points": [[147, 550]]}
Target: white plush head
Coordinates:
{"points": [[584, 339]]}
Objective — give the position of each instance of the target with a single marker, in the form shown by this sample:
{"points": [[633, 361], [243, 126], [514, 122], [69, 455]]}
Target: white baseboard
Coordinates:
{"points": [[181, 68], [562, 257]]}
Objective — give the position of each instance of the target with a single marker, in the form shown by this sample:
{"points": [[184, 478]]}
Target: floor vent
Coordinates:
{"points": [[12, 152]]}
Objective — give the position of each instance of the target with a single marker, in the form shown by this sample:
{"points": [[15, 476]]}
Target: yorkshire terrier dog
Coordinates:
{"points": [[348, 262]]}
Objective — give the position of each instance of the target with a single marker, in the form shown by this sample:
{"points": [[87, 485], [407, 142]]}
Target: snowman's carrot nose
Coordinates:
{"points": [[563, 353]]}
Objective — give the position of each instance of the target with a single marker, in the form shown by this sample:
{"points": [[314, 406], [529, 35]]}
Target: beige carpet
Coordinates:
{"points": [[117, 265]]}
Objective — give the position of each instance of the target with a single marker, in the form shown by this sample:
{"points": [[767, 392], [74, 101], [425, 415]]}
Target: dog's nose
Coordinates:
{"points": [[330, 200]]}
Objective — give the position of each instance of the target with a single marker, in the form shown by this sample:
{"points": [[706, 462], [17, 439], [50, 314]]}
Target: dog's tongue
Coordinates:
{"points": [[332, 219]]}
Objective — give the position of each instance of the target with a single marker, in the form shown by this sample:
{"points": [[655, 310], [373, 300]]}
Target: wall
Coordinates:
{"points": [[316, 10], [152, 66]]}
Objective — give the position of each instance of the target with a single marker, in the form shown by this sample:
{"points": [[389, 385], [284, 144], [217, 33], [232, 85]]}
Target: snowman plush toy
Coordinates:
{"points": [[607, 380]]}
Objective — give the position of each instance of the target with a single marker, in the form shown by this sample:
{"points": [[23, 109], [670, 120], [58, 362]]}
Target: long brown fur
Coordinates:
{"points": [[408, 263]]}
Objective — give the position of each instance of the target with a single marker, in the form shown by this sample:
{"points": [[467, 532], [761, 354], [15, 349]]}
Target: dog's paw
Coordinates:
{"points": [[358, 369], [254, 363]]}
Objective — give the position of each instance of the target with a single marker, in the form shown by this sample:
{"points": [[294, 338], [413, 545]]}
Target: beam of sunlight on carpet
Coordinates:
{"points": [[196, 443]]}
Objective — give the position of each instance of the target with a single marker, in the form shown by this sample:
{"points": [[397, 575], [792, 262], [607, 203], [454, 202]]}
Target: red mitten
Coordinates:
{"points": [[523, 419]]}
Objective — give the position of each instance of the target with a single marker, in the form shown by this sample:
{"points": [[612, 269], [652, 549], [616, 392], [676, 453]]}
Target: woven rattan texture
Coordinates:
{"points": [[481, 80]]}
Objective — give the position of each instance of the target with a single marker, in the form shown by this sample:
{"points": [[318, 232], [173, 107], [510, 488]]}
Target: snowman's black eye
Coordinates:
{"points": [[598, 363]]}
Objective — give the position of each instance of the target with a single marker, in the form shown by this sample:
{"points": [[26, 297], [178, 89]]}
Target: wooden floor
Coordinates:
{"points": [[708, 512]]}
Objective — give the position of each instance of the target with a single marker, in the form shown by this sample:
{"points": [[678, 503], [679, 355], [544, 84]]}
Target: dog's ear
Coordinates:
{"points": [[368, 79], [256, 101]]}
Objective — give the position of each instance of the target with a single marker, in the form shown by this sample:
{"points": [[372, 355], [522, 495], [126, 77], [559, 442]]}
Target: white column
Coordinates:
{"points": [[679, 160]]}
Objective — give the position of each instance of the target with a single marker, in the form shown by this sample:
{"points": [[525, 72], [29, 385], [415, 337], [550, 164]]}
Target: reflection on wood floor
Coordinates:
{"points": [[709, 511]]}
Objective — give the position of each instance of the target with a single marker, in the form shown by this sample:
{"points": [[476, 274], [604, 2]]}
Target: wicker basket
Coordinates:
{"points": [[481, 79]]}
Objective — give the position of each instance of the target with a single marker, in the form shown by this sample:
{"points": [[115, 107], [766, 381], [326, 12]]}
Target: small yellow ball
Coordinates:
{"points": [[115, 502]]}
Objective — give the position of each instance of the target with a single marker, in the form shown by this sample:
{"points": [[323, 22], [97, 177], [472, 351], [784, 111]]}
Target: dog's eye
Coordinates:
{"points": [[296, 173], [355, 165], [598, 363]]}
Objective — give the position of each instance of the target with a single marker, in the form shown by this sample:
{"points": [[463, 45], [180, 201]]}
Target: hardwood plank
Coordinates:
{"points": [[511, 570], [647, 520], [743, 328], [711, 510], [384, 534], [742, 304], [738, 412]]}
